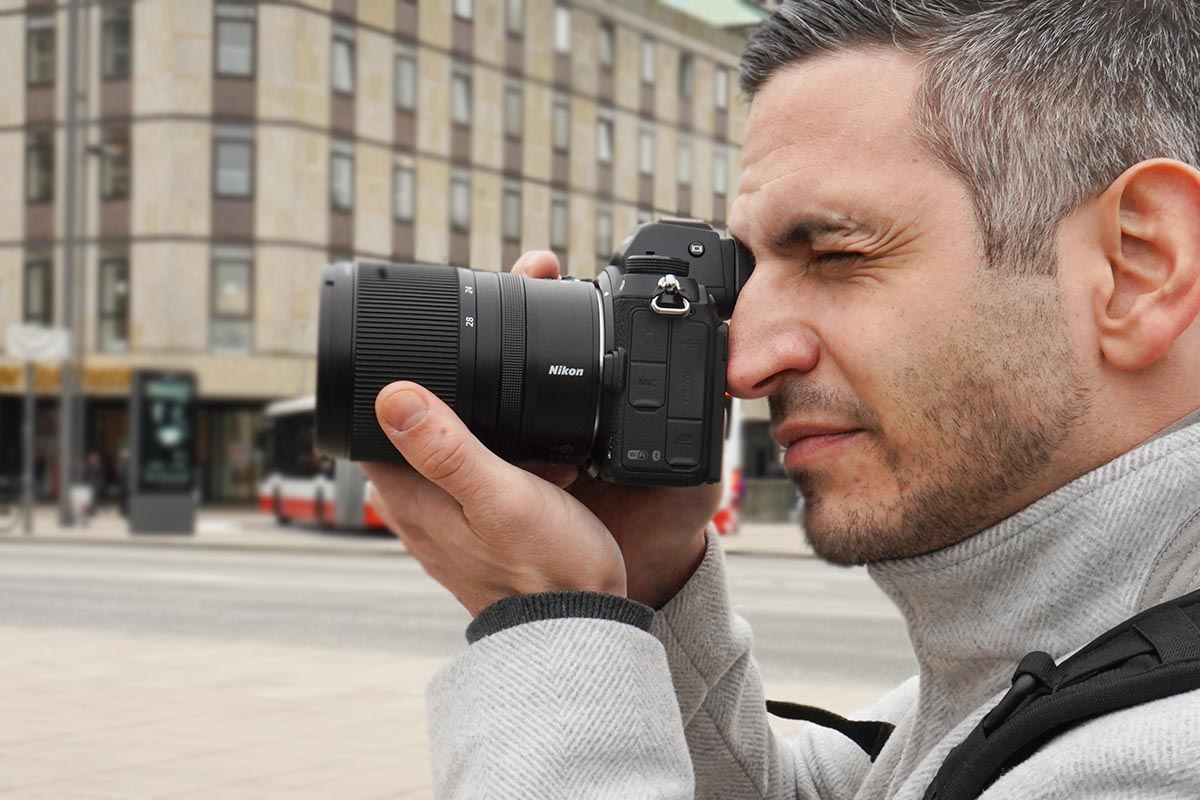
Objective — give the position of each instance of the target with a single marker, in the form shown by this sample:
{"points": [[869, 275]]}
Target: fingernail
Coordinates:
{"points": [[403, 410]]}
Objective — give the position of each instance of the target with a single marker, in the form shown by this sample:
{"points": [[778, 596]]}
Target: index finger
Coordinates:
{"points": [[537, 264]]}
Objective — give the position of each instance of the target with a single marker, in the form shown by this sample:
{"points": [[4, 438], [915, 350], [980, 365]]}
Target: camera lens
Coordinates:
{"points": [[519, 360]]}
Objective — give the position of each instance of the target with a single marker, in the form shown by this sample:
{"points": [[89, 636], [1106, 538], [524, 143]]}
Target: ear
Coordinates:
{"points": [[1150, 218]]}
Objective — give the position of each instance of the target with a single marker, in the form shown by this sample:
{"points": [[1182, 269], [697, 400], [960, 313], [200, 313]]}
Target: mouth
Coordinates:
{"points": [[805, 443]]}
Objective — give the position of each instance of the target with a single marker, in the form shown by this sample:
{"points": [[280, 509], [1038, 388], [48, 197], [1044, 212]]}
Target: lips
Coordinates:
{"points": [[790, 433], [804, 442]]}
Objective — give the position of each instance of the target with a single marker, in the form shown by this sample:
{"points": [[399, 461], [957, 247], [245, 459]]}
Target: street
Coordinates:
{"points": [[135, 671]]}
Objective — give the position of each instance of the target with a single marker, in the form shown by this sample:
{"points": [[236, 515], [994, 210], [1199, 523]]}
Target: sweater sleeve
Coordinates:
{"points": [[569, 705], [734, 752], [560, 707]]}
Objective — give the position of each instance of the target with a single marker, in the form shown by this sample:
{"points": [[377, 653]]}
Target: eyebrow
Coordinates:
{"points": [[803, 230]]}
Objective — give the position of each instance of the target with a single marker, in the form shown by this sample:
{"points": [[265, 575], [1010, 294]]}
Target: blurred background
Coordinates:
{"points": [[175, 175], [171, 206]]}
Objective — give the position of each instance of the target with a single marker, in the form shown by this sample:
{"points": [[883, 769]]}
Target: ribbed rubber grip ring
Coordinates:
{"points": [[512, 360]]}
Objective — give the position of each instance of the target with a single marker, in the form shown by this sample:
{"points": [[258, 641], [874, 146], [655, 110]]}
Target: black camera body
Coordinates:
{"points": [[624, 375], [664, 424]]}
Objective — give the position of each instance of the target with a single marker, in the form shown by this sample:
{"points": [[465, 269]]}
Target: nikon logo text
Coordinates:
{"points": [[558, 369]]}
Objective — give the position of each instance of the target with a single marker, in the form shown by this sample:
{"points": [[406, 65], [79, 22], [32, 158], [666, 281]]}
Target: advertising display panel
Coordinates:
{"points": [[167, 423], [163, 445]]}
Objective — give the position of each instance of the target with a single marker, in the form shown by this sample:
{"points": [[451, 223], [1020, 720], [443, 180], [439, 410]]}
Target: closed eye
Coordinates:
{"points": [[836, 257]]}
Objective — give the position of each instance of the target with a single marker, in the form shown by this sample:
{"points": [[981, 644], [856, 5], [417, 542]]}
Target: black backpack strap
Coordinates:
{"points": [[1153, 655], [869, 735]]}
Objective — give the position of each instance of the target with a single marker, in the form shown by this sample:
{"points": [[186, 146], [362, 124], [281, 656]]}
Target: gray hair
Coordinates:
{"points": [[1037, 105]]}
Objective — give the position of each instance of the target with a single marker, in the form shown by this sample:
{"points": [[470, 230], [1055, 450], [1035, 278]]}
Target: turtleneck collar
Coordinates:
{"points": [[1051, 577]]}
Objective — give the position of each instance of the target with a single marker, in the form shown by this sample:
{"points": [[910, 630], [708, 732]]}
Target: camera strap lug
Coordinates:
{"points": [[669, 285]]}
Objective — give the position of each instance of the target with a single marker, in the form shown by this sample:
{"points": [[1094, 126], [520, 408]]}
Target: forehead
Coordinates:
{"points": [[834, 135]]}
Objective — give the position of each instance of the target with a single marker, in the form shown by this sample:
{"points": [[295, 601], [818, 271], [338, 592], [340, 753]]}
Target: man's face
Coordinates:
{"points": [[920, 394]]}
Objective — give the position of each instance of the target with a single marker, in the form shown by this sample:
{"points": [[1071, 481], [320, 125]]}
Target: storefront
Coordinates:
{"points": [[229, 463], [11, 414]]}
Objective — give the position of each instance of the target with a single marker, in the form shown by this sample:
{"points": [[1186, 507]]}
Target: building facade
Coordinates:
{"points": [[230, 148]]}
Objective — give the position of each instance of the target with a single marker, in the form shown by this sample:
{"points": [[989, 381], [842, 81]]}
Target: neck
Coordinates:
{"points": [[1054, 575]]}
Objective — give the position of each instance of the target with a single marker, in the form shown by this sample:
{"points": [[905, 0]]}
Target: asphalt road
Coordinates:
{"points": [[812, 622]]}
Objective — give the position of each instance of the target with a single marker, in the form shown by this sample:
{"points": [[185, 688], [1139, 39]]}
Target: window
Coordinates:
{"points": [[341, 176], [608, 44], [514, 19], [559, 224], [406, 82], [234, 161], [511, 213], [39, 167], [460, 96], [646, 150], [464, 9], [114, 43], [342, 70], [721, 87], [683, 167], [460, 200], [686, 76], [39, 49], [604, 140], [561, 133], [114, 163], [647, 60], [514, 111], [113, 332], [604, 233], [39, 292], [562, 30], [720, 170], [405, 199], [235, 40], [231, 302]]}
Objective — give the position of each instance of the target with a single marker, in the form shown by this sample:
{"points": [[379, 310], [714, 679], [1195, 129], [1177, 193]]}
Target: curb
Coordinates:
{"points": [[770, 553], [166, 541], [178, 542]]}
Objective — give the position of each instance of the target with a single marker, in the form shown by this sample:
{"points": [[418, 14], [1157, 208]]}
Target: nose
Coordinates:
{"points": [[768, 337]]}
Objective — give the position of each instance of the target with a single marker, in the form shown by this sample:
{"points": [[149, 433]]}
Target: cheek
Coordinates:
{"points": [[881, 352], [1080, 325]]}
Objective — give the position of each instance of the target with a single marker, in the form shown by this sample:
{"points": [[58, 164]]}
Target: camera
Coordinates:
{"points": [[624, 374]]}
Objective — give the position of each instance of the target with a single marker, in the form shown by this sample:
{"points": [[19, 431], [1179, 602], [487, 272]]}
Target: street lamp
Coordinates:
{"points": [[70, 407]]}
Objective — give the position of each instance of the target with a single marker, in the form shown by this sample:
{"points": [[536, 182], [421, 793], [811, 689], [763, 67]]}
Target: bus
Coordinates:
{"points": [[302, 486]]}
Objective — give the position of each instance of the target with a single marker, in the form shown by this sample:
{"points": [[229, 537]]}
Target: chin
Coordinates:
{"points": [[852, 534], [832, 539]]}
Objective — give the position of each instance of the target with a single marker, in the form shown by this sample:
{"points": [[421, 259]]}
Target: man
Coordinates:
{"points": [[974, 313]]}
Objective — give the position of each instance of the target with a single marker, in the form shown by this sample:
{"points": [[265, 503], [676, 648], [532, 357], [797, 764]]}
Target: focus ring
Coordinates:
{"points": [[406, 322], [512, 359]]}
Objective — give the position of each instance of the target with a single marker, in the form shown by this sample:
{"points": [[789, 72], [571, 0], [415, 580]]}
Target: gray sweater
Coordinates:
{"points": [[584, 707]]}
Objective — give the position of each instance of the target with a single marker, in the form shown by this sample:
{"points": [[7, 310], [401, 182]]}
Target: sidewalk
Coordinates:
{"points": [[225, 529]]}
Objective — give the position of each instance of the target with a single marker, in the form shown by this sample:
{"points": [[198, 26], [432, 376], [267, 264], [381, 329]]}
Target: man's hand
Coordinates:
{"points": [[548, 538], [480, 526]]}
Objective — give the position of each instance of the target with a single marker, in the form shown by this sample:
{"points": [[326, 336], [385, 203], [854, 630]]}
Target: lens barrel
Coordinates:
{"points": [[519, 360]]}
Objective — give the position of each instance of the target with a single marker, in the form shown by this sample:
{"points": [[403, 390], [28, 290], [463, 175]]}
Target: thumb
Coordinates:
{"points": [[435, 442]]}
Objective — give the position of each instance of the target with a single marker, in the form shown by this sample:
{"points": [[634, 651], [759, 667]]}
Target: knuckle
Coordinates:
{"points": [[447, 462]]}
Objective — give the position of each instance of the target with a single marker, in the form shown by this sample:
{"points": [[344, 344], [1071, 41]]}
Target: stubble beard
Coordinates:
{"points": [[995, 407]]}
